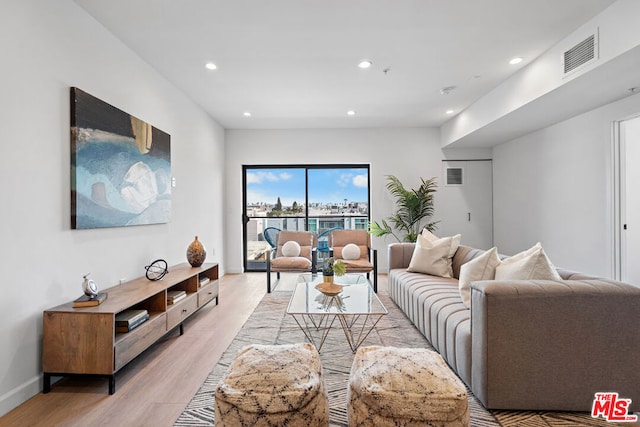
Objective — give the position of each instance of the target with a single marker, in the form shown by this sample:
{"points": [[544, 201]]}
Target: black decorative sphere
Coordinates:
{"points": [[156, 270]]}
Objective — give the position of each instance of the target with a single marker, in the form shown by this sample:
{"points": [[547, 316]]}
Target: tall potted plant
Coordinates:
{"points": [[413, 207]]}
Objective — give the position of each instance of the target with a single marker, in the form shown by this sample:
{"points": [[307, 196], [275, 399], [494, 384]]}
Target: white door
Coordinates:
{"points": [[464, 202], [630, 200]]}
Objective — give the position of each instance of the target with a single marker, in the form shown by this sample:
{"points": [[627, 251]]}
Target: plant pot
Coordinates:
{"points": [[327, 279]]}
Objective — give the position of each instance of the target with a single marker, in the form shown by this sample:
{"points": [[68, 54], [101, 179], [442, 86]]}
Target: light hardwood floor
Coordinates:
{"points": [[153, 389]]}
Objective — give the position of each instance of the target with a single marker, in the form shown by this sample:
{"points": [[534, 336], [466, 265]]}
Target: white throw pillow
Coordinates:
{"points": [[291, 249], [480, 268], [433, 257], [455, 242], [351, 252], [532, 264]]}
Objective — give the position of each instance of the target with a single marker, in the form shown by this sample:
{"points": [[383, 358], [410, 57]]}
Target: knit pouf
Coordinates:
{"points": [[273, 385], [392, 386]]}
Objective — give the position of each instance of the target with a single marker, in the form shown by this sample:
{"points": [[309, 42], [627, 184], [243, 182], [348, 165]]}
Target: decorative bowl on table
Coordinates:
{"points": [[329, 289]]}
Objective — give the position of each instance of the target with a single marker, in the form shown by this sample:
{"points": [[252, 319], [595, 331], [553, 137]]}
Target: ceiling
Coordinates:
{"points": [[293, 63]]}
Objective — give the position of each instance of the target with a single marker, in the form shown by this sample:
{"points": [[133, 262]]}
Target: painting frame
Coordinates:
{"points": [[120, 167]]}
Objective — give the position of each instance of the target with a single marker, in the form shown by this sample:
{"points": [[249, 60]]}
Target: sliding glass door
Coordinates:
{"points": [[314, 198]]}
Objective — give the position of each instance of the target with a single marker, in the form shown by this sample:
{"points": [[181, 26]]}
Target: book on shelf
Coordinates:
{"points": [[204, 280], [139, 321], [87, 301], [128, 317], [175, 296]]}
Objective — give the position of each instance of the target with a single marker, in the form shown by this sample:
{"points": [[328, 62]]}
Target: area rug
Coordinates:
{"points": [[269, 324]]}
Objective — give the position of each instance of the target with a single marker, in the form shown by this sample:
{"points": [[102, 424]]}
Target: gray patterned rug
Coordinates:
{"points": [[269, 324]]}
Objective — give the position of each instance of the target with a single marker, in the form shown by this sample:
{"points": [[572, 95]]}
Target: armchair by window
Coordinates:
{"points": [[367, 261], [293, 253]]}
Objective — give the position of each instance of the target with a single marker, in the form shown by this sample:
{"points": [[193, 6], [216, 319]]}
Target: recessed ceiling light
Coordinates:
{"points": [[351, 113], [365, 64], [211, 66], [516, 60], [449, 112], [247, 114]]}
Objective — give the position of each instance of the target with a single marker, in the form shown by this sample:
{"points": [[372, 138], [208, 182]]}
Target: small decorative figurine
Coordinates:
{"points": [[91, 295], [89, 287], [156, 270]]}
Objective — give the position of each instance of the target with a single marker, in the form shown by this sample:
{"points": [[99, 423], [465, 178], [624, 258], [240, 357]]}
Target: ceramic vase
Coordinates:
{"points": [[196, 253]]}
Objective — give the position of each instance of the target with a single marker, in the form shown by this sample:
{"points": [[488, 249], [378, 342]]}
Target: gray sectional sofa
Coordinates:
{"points": [[527, 344]]}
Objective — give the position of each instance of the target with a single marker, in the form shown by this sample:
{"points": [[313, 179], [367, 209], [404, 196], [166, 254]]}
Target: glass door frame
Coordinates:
{"points": [[305, 218]]}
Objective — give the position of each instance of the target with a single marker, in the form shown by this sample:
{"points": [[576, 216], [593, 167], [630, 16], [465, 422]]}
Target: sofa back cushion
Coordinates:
{"points": [[462, 255]]}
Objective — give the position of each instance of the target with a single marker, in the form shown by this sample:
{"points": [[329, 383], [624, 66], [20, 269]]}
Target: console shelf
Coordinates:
{"points": [[84, 340]]}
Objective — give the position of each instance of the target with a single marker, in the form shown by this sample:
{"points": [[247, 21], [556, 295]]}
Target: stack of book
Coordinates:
{"points": [[175, 296], [204, 280], [130, 319], [90, 301]]}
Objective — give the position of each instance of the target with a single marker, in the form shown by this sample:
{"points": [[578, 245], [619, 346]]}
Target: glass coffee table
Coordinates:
{"points": [[352, 303]]}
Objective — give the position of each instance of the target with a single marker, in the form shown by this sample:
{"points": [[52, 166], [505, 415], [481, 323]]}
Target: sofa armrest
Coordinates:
{"points": [[399, 254], [554, 344]]}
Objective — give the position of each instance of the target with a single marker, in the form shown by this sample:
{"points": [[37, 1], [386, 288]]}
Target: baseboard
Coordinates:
{"points": [[16, 397]]}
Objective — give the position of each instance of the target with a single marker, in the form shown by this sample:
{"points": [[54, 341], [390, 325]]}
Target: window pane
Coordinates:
{"points": [[339, 191], [276, 193]]}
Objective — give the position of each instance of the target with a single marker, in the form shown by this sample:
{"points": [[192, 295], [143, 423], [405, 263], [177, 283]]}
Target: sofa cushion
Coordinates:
{"points": [[434, 306], [532, 264], [433, 256], [463, 255], [296, 263], [479, 268]]}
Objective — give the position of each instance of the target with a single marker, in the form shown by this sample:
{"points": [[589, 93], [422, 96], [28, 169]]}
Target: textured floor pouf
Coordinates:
{"points": [[273, 385], [392, 386]]}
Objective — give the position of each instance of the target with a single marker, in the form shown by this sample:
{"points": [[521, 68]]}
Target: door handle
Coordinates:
{"points": [[469, 216]]}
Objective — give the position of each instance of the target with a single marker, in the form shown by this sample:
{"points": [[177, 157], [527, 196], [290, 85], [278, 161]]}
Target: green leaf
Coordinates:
{"points": [[413, 207]]}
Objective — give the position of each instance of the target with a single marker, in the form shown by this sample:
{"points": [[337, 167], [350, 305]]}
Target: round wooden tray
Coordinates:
{"points": [[329, 289]]}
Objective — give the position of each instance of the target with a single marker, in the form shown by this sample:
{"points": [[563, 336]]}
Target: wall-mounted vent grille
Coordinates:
{"points": [[454, 176], [582, 53]]}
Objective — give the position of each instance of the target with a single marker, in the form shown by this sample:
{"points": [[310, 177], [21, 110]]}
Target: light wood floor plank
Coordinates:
{"points": [[154, 388]]}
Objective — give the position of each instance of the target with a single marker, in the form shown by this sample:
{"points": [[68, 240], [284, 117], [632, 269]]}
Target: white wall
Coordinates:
{"points": [[48, 46], [408, 153], [556, 186]]}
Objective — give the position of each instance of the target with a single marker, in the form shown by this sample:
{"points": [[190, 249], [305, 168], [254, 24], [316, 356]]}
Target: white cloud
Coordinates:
{"points": [[260, 177], [360, 181], [344, 179]]}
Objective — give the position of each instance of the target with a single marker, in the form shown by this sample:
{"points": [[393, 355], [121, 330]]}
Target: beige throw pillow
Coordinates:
{"points": [[532, 264], [480, 268], [455, 242], [433, 257]]}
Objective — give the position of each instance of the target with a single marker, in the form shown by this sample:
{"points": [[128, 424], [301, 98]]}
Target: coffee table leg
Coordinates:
{"points": [[306, 323], [348, 329]]}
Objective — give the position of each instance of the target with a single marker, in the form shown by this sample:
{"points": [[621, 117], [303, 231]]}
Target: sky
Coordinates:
{"points": [[325, 185]]}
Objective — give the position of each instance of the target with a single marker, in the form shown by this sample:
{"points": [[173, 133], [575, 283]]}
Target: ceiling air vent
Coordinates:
{"points": [[582, 53], [454, 176]]}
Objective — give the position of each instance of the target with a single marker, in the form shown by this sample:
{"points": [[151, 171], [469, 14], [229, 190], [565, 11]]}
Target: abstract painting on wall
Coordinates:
{"points": [[120, 167]]}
